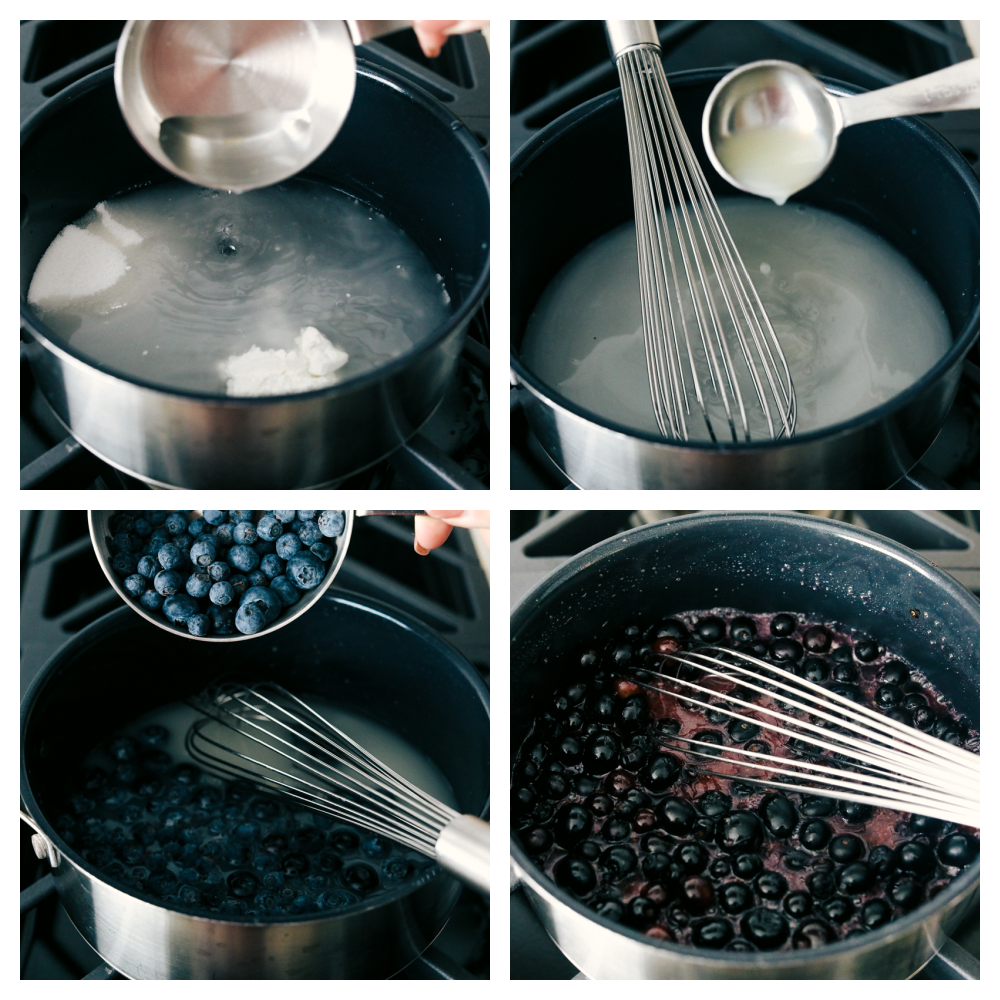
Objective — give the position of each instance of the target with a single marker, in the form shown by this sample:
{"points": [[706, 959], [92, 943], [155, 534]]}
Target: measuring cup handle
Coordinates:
{"points": [[953, 89]]}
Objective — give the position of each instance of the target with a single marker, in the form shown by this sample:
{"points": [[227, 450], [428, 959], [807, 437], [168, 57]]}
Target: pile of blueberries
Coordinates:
{"points": [[614, 817], [221, 573], [158, 827]]}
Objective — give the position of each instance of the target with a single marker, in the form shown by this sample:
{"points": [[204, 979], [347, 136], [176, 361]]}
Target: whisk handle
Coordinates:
{"points": [[463, 849], [625, 35]]}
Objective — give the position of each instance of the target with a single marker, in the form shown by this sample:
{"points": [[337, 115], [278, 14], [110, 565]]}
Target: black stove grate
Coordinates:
{"points": [[557, 65], [452, 449], [63, 589], [542, 540]]}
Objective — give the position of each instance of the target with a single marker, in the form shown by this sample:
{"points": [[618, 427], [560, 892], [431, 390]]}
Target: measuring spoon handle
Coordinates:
{"points": [[953, 89]]}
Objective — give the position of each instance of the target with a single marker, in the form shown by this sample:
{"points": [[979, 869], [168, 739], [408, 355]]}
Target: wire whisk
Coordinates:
{"points": [[264, 734], [711, 352], [835, 748]]}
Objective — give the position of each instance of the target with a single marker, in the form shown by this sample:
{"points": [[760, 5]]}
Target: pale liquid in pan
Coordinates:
{"points": [[774, 163], [395, 752], [216, 274], [857, 323]]}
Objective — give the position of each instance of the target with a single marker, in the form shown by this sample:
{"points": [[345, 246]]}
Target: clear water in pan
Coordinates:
{"points": [[857, 322], [167, 282]]}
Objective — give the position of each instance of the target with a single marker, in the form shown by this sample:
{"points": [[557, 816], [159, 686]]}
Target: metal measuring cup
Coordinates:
{"points": [[237, 105], [99, 522]]}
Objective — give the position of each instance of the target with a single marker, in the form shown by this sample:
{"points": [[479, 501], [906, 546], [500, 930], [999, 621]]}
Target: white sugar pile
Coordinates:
{"points": [[82, 262], [312, 365]]}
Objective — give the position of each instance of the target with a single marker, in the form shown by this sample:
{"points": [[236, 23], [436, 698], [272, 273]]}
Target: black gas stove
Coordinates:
{"points": [[64, 589], [452, 449], [557, 65], [541, 540]]}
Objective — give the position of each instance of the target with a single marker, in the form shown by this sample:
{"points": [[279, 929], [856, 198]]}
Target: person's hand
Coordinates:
{"points": [[433, 530], [433, 34]]}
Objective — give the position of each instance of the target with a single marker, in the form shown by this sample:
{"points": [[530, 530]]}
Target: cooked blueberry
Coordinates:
{"points": [[821, 884], [846, 848], [676, 816], [875, 913], [765, 928], [855, 812], [360, 878], [785, 651], [816, 805], [958, 850], [634, 754], [866, 650], [837, 909], [915, 858], [888, 696], [855, 878], [894, 672], [711, 630], [661, 772], [569, 750], [242, 884], [782, 625], [882, 860], [633, 712], [771, 885], [816, 639], [616, 829], [553, 786], [815, 669], [712, 932], [714, 803], [742, 629], [589, 850], [740, 831], [813, 933], [572, 824], [610, 909], [711, 737], [735, 897], [844, 673], [639, 913], [741, 730], [661, 868], [747, 865], [124, 748], [693, 858], [779, 815], [697, 895], [798, 904], [906, 893], [618, 861]]}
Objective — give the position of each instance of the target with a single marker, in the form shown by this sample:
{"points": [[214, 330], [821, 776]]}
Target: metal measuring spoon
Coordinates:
{"points": [[771, 128], [237, 105]]}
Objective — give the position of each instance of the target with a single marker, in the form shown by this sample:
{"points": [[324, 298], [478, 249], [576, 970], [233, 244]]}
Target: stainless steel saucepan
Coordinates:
{"points": [[758, 562], [99, 522]]}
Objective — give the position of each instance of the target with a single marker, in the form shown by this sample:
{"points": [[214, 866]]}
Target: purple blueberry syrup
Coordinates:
{"points": [[605, 805]]}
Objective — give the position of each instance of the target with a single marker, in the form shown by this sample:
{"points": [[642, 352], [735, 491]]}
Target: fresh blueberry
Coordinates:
{"points": [[135, 585], [287, 592], [203, 553], [222, 619], [287, 545], [219, 571], [240, 515], [269, 528], [199, 625], [309, 533], [257, 579], [305, 570], [271, 566], [221, 593], [125, 563], [175, 523], [198, 584], [244, 533], [180, 607], [169, 556], [242, 558], [321, 551], [214, 517], [250, 618], [284, 516], [148, 567], [332, 523], [224, 535]]}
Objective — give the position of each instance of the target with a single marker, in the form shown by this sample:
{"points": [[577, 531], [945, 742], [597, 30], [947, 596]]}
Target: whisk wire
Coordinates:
{"points": [[691, 274], [876, 760]]}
